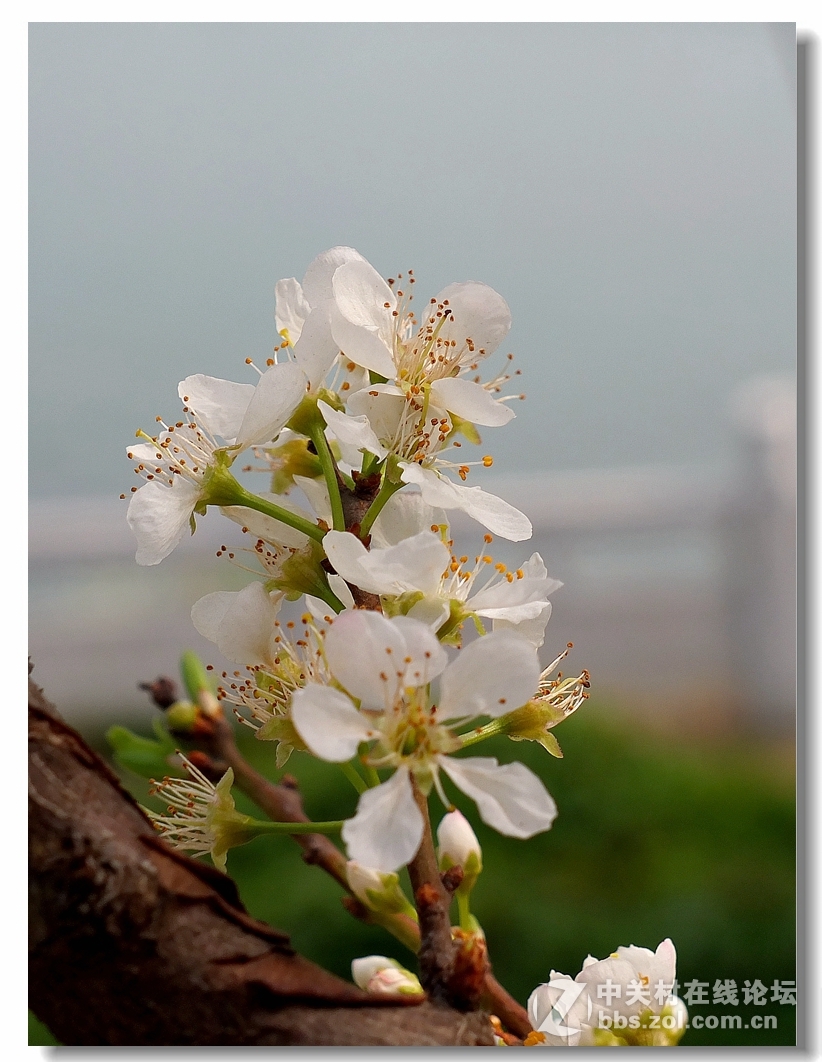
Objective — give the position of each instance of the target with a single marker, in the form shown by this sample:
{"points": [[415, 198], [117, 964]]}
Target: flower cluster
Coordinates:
{"points": [[406, 651], [625, 1000]]}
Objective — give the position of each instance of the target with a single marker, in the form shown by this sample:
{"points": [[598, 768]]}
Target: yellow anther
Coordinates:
{"points": [[488, 460]]}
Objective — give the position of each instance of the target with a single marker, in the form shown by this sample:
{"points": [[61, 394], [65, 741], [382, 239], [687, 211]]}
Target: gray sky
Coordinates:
{"points": [[629, 189]]}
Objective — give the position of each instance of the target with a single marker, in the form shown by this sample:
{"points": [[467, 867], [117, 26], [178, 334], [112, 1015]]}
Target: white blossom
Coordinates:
{"points": [[385, 668], [437, 587], [179, 464], [626, 998], [201, 817]]}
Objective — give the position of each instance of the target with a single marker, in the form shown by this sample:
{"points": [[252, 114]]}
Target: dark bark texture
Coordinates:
{"points": [[134, 944]]}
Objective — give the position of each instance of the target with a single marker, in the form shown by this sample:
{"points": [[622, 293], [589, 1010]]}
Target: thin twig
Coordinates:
{"points": [[437, 951]]}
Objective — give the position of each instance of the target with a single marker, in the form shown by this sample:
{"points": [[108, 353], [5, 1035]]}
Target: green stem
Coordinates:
{"points": [[464, 907], [353, 776], [288, 828], [387, 488], [372, 776], [329, 468], [268, 508], [482, 732], [369, 464], [327, 595]]}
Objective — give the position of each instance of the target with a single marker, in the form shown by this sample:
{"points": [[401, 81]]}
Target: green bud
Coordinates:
{"points": [[181, 716], [377, 890], [198, 683]]}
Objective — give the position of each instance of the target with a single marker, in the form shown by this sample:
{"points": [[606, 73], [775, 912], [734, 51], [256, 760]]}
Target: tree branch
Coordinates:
{"points": [[132, 943]]}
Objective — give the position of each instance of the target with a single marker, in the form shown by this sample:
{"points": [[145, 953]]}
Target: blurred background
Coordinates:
{"points": [[630, 190]]}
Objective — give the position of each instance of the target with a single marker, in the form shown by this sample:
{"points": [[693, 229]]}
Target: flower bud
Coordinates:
{"points": [[182, 716], [198, 683], [459, 847], [377, 890], [384, 977]]}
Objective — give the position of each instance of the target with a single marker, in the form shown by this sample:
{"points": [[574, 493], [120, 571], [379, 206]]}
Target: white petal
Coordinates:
{"points": [[384, 409], [362, 346], [340, 589], [533, 630], [355, 431], [387, 829], [316, 491], [208, 613], [277, 394], [494, 513], [365, 651], [317, 349], [491, 676], [245, 634], [291, 308], [346, 554], [425, 657], [363, 297], [432, 611], [505, 595], [406, 513], [470, 401], [218, 405], [267, 527], [478, 313], [414, 564], [317, 279], [159, 517], [509, 797], [148, 453], [550, 1013], [328, 722]]}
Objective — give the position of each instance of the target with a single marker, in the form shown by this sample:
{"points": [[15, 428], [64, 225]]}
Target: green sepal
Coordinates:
{"points": [[401, 604], [547, 740], [219, 487], [466, 428], [147, 757], [302, 574], [307, 418], [450, 633], [290, 459]]}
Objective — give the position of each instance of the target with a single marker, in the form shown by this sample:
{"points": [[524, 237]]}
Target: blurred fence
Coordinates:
{"points": [[680, 584]]}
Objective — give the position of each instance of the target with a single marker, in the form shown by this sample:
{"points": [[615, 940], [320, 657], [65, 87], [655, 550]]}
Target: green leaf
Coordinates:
{"points": [[144, 756]]}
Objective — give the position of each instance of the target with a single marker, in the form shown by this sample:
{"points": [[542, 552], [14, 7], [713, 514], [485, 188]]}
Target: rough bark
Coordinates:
{"points": [[133, 944]]}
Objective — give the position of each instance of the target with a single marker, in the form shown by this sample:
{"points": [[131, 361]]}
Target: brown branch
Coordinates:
{"points": [[132, 943], [284, 804], [437, 952]]}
